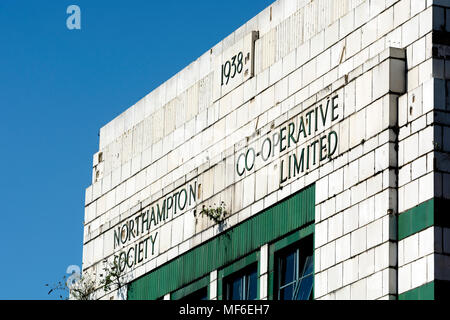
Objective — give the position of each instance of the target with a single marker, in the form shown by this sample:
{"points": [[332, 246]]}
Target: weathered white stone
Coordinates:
{"points": [[350, 270], [358, 241], [335, 277], [375, 286], [358, 290]]}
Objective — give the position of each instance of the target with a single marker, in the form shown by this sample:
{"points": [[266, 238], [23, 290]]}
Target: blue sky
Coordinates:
{"points": [[57, 89]]}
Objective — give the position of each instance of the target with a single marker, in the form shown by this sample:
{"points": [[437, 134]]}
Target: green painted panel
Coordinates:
{"points": [[425, 215], [273, 223], [240, 264], [191, 288], [270, 286], [425, 292], [296, 236], [436, 290], [416, 219]]}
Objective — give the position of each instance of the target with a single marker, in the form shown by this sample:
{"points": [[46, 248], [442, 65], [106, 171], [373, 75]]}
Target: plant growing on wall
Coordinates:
{"points": [[215, 213], [81, 287], [113, 278]]}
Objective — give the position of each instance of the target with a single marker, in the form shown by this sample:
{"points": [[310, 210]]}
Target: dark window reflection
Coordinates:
{"points": [[198, 295], [295, 271], [242, 285]]}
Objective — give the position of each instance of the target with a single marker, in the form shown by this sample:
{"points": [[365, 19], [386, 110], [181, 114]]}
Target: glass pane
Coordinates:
{"points": [[242, 285], [286, 293], [308, 267], [252, 285], [236, 289], [296, 271], [201, 294], [287, 274], [305, 288], [204, 296]]}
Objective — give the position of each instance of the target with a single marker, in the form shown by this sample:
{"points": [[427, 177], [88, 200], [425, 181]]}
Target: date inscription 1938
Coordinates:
{"points": [[232, 67]]}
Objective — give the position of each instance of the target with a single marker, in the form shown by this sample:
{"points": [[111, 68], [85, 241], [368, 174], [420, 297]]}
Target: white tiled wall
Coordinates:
{"points": [[185, 132]]}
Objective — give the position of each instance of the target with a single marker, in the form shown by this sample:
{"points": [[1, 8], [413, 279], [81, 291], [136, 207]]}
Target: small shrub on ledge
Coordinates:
{"points": [[215, 213]]}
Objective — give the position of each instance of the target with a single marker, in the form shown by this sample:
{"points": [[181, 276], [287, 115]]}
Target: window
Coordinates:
{"points": [[242, 285], [295, 271], [198, 295], [195, 291]]}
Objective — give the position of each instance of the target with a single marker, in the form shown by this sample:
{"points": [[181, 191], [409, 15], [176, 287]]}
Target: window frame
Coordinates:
{"points": [[236, 267], [278, 247], [243, 276], [298, 268], [191, 288]]}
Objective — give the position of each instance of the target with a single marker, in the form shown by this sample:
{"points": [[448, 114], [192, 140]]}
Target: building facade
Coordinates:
{"points": [[305, 156]]}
